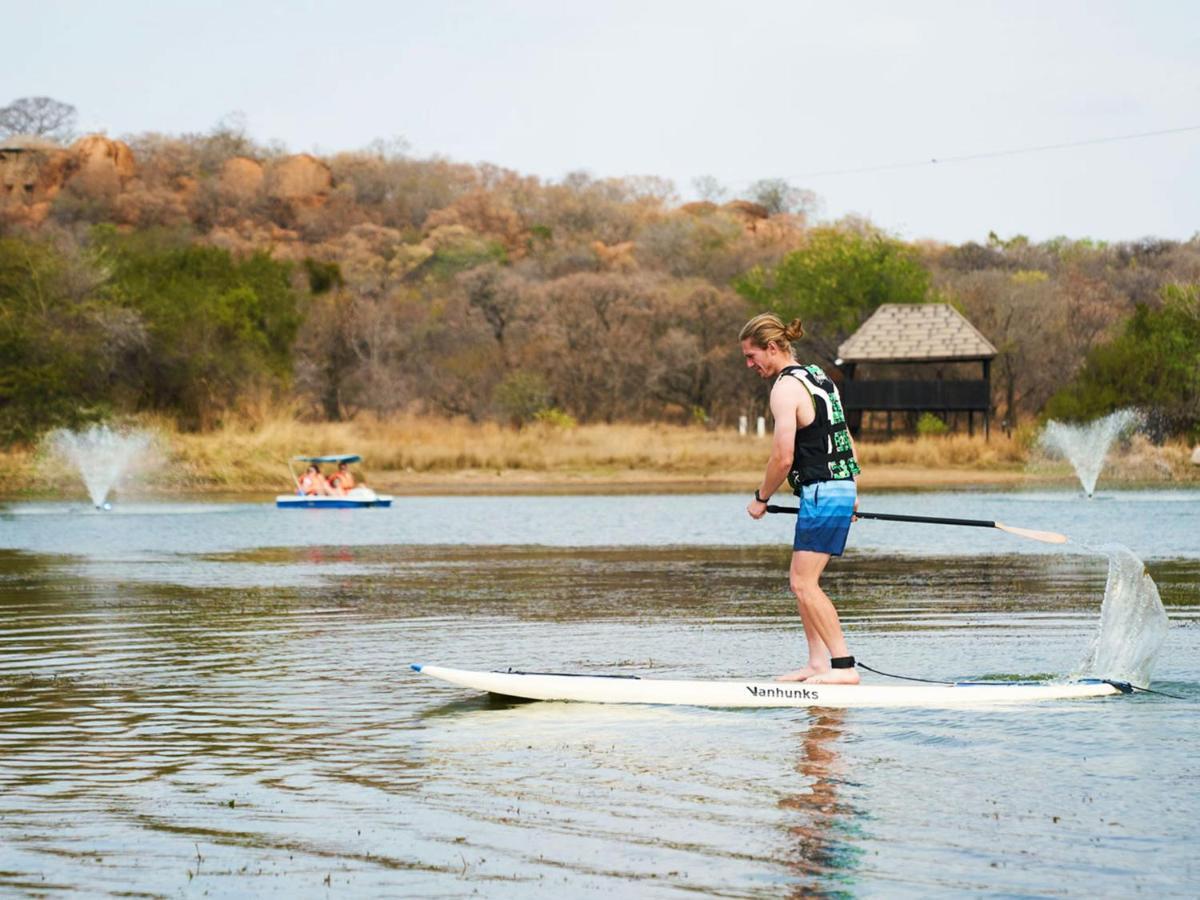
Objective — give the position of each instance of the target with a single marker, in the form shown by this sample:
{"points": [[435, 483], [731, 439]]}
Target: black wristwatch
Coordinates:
{"points": [[758, 498]]}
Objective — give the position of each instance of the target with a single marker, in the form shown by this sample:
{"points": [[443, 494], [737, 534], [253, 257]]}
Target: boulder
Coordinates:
{"points": [[744, 209], [699, 208], [241, 179], [32, 171], [781, 230], [104, 158], [1196, 456], [302, 180]]}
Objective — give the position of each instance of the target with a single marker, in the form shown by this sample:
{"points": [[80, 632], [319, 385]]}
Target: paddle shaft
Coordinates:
{"points": [[292, 472], [928, 520], [1048, 537]]}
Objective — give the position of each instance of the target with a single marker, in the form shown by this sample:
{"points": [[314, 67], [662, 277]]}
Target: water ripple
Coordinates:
{"points": [[166, 736]]}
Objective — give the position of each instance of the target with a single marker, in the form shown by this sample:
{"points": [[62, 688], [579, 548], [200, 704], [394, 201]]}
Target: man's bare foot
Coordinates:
{"points": [[801, 674], [834, 676]]}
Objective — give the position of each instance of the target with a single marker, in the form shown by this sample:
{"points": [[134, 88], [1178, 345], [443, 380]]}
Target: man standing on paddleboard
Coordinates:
{"points": [[811, 449]]}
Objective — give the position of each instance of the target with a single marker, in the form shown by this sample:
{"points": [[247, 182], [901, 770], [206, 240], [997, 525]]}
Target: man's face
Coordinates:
{"points": [[760, 359]]}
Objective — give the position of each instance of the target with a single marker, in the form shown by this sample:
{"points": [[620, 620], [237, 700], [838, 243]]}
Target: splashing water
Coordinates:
{"points": [[1086, 446], [102, 455], [1133, 623]]}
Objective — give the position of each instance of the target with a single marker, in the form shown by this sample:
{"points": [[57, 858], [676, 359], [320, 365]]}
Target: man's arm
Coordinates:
{"points": [[787, 399], [784, 399]]}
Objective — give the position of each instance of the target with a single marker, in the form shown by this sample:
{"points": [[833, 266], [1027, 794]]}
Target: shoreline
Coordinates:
{"points": [[879, 479], [423, 456]]}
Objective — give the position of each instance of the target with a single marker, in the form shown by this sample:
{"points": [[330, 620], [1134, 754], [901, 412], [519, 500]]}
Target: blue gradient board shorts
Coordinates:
{"points": [[824, 519]]}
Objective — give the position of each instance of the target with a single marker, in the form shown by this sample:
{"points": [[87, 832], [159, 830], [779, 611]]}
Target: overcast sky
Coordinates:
{"points": [[805, 91]]}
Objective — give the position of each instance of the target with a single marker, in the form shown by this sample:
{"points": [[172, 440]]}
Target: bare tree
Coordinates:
{"points": [[707, 187], [780, 197], [650, 188], [496, 295], [592, 342], [42, 116], [1022, 314]]}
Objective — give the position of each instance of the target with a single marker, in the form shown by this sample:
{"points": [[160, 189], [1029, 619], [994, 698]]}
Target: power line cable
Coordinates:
{"points": [[1017, 151]]}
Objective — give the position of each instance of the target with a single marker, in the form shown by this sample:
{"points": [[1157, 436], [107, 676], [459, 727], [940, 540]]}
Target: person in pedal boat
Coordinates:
{"points": [[812, 450], [342, 482], [312, 482]]}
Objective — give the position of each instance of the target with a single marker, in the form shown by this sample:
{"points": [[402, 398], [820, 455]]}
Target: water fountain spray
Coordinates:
{"points": [[1087, 446], [102, 455], [1133, 622]]}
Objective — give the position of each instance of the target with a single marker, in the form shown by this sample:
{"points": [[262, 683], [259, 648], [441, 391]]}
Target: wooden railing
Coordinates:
{"points": [[915, 395]]}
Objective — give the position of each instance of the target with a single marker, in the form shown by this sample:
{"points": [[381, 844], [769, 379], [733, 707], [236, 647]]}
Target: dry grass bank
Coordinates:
{"points": [[416, 454]]}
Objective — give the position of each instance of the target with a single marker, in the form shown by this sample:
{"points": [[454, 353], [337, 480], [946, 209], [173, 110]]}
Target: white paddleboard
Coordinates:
{"points": [[730, 693]]}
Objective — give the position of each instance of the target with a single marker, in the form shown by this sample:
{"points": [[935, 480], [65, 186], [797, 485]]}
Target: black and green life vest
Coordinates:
{"points": [[823, 451]]}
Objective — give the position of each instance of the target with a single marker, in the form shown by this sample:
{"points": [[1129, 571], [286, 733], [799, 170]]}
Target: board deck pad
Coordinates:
{"points": [[728, 693]]}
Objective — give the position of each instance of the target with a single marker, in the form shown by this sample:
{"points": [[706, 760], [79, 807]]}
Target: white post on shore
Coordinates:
{"points": [[743, 425], [762, 426]]}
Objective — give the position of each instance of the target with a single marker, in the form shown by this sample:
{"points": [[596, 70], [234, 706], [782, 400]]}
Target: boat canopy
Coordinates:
{"points": [[334, 458]]}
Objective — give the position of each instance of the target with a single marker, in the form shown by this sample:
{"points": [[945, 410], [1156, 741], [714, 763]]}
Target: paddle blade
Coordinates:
{"points": [[1046, 537]]}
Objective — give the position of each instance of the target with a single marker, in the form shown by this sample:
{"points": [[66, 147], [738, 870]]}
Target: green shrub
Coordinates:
{"points": [[556, 417], [322, 276], [1154, 364], [930, 425], [521, 397], [216, 326], [463, 254], [56, 344], [836, 281]]}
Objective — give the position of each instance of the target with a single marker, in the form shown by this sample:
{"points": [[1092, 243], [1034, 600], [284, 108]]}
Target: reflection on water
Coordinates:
{"points": [[252, 727], [826, 835]]}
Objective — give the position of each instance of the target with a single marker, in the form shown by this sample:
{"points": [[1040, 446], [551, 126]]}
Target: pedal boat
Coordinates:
{"points": [[355, 498]]}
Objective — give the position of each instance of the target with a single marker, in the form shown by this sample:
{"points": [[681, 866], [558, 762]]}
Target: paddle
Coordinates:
{"points": [[292, 472], [1049, 537]]}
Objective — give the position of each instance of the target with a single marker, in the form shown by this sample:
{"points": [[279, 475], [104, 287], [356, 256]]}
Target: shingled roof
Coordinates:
{"points": [[915, 332]]}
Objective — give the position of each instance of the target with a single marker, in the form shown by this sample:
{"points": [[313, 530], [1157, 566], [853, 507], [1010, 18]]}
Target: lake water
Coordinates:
{"points": [[215, 699]]}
